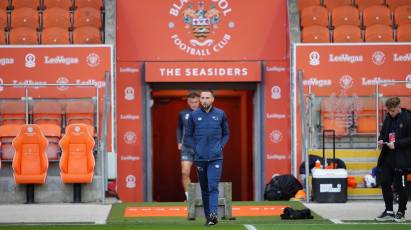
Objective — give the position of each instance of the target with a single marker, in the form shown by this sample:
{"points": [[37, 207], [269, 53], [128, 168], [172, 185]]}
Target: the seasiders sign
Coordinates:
{"points": [[203, 71]]}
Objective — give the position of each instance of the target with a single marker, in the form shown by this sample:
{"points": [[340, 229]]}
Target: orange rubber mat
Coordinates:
{"points": [[182, 211]]}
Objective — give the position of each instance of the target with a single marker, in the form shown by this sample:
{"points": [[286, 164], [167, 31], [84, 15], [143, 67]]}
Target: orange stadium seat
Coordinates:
{"points": [[56, 17], [4, 4], [377, 14], [77, 159], [97, 4], [333, 124], [30, 162], [347, 33], [87, 17], [24, 17], [3, 19], [12, 112], [65, 4], [34, 4], [315, 34], [345, 15], [362, 4], [52, 132], [402, 15], [87, 35], [314, 15], [3, 37], [331, 4], [405, 102], [367, 116], [393, 4], [47, 112], [404, 33], [306, 3], [379, 33], [55, 36], [80, 112], [23, 36], [7, 133]]}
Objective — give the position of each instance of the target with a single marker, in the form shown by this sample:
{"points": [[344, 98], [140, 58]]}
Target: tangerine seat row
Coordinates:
{"points": [[30, 161]]}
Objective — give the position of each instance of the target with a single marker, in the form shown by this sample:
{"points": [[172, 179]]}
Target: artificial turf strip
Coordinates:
{"points": [[272, 226], [117, 215]]}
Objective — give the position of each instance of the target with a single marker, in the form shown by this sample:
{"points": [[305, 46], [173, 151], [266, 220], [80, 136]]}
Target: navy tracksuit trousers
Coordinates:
{"points": [[209, 173]]}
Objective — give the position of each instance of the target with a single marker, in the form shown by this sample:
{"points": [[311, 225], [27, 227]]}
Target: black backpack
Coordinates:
{"points": [[292, 214], [282, 187]]}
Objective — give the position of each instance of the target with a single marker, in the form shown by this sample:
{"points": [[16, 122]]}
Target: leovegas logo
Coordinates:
{"points": [[60, 60], [6, 61], [373, 81], [275, 116], [275, 69], [402, 57], [317, 82], [130, 117], [345, 58], [276, 156], [201, 19]]}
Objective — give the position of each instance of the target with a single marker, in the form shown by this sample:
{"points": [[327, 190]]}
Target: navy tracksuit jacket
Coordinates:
{"points": [[207, 134]]}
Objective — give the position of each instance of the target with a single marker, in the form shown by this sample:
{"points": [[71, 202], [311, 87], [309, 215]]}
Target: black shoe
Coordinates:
{"points": [[211, 220], [399, 217], [385, 216]]}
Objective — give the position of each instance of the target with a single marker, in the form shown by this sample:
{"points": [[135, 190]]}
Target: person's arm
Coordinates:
{"points": [[189, 133], [405, 142], [225, 131]]}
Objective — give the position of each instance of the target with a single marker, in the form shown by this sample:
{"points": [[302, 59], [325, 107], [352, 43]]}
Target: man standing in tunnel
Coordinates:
{"points": [[207, 133], [394, 162], [187, 157]]}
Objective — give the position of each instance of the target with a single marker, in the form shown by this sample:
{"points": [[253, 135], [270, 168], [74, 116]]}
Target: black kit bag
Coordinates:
{"points": [[282, 187]]}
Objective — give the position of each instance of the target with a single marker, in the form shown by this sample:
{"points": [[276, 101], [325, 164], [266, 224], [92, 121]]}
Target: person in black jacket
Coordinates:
{"points": [[394, 161], [187, 157], [207, 133]]}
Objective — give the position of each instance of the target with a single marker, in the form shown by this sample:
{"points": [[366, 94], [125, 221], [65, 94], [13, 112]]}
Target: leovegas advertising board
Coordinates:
{"points": [[355, 69], [187, 30], [203, 71], [277, 119], [54, 65], [129, 132]]}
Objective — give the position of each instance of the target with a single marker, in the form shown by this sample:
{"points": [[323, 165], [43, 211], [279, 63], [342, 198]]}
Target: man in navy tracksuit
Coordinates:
{"points": [[207, 133]]}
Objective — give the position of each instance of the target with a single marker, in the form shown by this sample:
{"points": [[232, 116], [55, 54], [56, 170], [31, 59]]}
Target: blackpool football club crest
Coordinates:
{"points": [[202, 21]]}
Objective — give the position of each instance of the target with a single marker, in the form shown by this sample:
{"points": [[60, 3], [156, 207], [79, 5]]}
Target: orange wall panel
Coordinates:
{"points": [[187, 30]]}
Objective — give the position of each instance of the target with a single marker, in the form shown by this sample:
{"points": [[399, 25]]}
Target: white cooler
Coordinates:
{"points": [[329, 185]]}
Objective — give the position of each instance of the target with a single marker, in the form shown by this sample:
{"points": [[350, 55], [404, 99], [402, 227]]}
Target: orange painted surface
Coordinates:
{"points": [[169, 30], [182, 211], [355, 69]]}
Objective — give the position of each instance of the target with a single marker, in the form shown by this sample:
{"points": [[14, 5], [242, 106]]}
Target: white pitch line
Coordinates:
{"points": [[336, 221], [250, 227]]}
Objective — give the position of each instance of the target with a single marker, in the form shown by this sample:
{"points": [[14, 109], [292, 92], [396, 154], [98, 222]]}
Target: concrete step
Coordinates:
{"points": [[351, 166], [364, 193], [347, 153]]}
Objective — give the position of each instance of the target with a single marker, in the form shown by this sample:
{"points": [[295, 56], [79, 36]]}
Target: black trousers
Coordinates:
{"points": [[391, 176]]}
